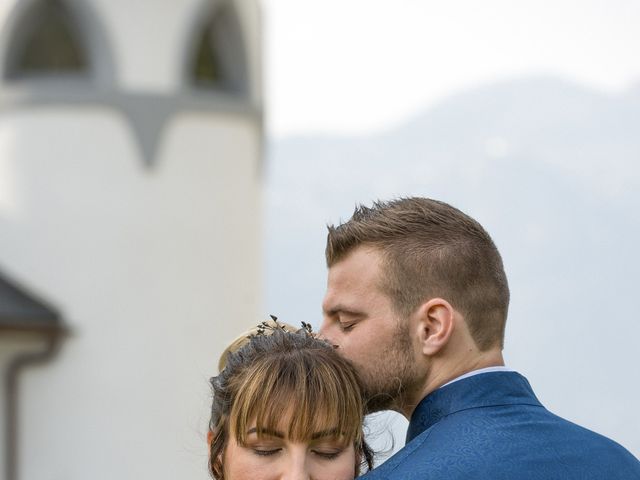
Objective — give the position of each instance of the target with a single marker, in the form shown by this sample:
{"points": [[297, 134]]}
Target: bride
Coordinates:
{"points": [[285, 405]]}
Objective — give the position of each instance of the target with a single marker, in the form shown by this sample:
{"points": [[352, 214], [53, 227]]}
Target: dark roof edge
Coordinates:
{"points": [[21, 309]]}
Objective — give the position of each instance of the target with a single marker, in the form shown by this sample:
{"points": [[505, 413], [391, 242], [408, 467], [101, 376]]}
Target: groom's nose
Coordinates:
{"points": [[328, 331], [324, 328]]}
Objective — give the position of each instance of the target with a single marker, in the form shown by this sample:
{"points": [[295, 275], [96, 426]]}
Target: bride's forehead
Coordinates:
{"points": [[281, 420], [300, 395], [296, 424]]}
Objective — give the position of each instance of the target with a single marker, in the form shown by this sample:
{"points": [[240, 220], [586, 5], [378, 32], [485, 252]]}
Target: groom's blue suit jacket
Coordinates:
{"points": [[491, 426]]}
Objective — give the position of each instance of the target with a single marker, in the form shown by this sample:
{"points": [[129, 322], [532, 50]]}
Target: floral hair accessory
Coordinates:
{"points": [[265, 328]]}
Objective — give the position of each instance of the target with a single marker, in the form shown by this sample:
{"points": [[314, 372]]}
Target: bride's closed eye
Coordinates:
{"points": [[328, 454], [265, 452], [329, 447], [265, 446]]}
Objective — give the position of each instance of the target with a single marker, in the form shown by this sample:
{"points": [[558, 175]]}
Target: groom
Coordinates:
{"points": [[417, 299]]}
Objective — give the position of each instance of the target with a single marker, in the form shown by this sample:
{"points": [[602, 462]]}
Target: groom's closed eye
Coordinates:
{"points": [[347, 319], [346, 325]]}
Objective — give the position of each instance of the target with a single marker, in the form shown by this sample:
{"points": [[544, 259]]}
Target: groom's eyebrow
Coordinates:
{"points": [[268, 432], [343, 309]]}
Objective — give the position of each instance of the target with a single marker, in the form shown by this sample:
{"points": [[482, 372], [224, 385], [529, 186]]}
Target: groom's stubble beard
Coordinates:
{"points": [[389, 382]]}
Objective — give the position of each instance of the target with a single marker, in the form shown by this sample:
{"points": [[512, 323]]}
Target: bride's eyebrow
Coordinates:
{"points": [[332, 432], [270, 433]]}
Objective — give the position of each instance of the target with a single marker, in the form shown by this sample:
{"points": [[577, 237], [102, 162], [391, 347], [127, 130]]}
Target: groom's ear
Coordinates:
{"points": [[435, 323]]}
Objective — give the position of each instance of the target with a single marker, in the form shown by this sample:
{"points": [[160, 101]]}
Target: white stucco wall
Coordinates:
{"points": [[153, 269], [154, 272]]}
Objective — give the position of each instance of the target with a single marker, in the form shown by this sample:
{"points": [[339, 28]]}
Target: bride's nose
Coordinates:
{"points": [[296, 467]]}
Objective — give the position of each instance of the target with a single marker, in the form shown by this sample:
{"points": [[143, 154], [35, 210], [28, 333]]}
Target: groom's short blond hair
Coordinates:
{"points": [[431, 249]]}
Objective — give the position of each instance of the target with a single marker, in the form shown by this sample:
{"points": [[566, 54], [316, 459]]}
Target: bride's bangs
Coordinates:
{"points": [[302, 397]]}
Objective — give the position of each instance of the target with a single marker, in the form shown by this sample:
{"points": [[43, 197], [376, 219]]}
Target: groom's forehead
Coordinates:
{"points": [[360, 269], [344, 296]]}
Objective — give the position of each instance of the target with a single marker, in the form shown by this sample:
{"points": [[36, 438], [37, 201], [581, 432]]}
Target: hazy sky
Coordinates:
{"points": [[357, 66]]}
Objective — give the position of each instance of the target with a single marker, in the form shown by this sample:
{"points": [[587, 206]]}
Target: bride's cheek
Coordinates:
{"points": [[342, 467]]}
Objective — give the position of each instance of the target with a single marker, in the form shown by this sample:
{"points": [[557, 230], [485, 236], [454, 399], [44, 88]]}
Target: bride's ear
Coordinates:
{"points": [[209, 438]]}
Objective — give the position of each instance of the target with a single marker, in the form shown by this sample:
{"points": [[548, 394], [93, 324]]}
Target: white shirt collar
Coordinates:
{"points": [[478, 372]]}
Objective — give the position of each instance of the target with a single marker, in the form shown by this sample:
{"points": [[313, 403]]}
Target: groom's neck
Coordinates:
{"points": [[442, 370]]}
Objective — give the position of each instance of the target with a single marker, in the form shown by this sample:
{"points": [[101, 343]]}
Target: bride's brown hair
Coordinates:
{"points": [[274, 372]]}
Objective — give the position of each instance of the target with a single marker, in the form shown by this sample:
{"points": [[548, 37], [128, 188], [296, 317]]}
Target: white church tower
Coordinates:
{"points": [[130, 205]]}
